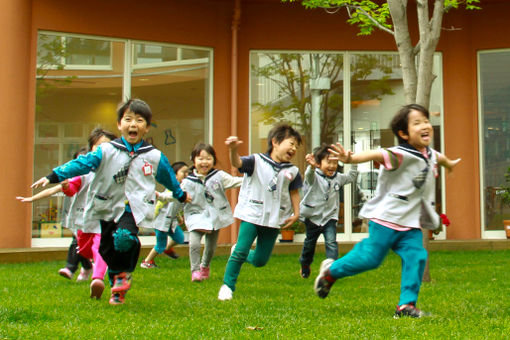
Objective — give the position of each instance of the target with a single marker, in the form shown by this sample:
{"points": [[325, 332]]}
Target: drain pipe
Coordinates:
{"points": [[236, 18]]}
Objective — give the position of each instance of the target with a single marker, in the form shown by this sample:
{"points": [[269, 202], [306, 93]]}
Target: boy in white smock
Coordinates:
{"points": [[320, 204], [268, 200], [122, 193]]}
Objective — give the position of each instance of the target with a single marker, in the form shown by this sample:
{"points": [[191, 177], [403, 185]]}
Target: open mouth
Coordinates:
{"points": [[132, 134]]}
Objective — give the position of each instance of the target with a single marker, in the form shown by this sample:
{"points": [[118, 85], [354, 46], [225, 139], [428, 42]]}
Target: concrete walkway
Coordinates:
{"points": [[19, 255]]}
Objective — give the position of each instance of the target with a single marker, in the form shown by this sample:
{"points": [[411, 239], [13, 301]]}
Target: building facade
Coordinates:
{"points": [[214, 68]]}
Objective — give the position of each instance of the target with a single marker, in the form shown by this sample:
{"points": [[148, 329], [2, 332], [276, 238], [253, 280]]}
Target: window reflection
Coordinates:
{"points": [[495, 113], [80, 81], [297, 87]]}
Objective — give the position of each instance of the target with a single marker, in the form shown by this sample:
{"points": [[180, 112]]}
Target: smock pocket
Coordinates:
{"points": [[102, 203]]}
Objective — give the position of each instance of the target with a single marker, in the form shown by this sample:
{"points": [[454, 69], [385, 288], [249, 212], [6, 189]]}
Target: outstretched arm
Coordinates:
{"points": [[446, 162], [233, 144], [45, 193], [347, 156]]}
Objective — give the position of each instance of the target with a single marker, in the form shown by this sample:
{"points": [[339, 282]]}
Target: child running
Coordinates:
{"points": [[167, 220], [320, 204], [122, 193], [89, 231], [403, 202], [73, 258], [209, 211], [268, 200]]}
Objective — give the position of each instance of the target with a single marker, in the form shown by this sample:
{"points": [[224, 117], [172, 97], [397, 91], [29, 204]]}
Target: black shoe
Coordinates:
{"points": [[305, 271], [324, 280], [409, 310]]}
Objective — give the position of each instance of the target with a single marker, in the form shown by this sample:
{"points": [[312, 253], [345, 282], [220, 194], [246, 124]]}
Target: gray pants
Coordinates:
{"points": [[211, 242]]}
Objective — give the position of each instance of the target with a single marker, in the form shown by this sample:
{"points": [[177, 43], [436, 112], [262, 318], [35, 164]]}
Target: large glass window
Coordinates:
{"points": [[82, 79], [329, 97], [494, 89]]}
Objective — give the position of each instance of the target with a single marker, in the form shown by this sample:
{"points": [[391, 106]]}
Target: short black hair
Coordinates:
{"points": [[97, 133], [280, 132], [205, 147], [81, 151], [321, 152], [178, 165], [138, 107], [400, 121]]}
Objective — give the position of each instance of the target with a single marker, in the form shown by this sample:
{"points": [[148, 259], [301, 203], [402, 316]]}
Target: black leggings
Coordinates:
{"points": [[119, 261], [73, 258]]}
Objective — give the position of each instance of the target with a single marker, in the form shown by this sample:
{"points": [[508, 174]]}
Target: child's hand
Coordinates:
{"points": [[24, 199], [65, 185], [188, 198], [41, 182], [450, 164], [290, 221], [233, 142], [311, 160], [338, 151]]}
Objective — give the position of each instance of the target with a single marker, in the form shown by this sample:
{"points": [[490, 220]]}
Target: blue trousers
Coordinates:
{"points": [[162, 238], [313, 232], [370, 252]]}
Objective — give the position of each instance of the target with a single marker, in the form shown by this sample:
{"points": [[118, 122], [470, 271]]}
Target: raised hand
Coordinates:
{"points": [[338, 151], [311, 160], [233, 142]]}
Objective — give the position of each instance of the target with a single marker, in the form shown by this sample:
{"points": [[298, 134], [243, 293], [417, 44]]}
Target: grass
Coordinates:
{"points": [[468, 297]]}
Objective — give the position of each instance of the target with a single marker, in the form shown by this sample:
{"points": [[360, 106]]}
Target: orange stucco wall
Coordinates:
{"points": [[265, 24]]}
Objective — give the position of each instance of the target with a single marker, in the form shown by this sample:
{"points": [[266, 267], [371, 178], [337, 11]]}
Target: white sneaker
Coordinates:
{"points": [[84, 275], [225, 293]]}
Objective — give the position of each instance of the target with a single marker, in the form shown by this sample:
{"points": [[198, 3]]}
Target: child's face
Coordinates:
{"points": [[182, 173], [329, 165], [102, 139], [420, 130], [203, 162], [284, 151], [132, 127]]}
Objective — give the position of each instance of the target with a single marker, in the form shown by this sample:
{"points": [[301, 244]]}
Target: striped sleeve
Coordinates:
{"points": [[392, 159]]}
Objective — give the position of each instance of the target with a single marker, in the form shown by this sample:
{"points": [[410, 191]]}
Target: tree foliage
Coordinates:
{"points": [[391, 16]]}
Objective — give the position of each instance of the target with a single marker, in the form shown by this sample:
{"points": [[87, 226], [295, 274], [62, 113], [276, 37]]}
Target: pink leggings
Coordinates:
{"points": [[88, 247]]}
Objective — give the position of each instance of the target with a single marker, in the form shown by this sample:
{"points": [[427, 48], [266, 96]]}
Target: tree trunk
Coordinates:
{"points": [[398, 12]]}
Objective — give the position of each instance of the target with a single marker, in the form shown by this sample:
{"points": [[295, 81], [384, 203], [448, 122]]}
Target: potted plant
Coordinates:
{"points": [[504, 196], [288, 233]]}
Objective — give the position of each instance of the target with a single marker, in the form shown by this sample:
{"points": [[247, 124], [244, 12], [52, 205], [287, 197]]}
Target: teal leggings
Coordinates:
{"points": [[258, 257], [370, 252]]}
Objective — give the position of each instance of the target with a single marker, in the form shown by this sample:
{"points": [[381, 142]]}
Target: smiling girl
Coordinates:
{"points": [[402, 205], [209, 211]]}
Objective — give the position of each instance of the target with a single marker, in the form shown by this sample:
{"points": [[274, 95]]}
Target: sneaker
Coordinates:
{"points": [[324, 280], [84, 275], [409, 310], [196, 276], [117, 298], [171, 253], [96, 289], [225, 293], [149, 264], [65, 272], [204, 272], [305, 271], [122, 282]]}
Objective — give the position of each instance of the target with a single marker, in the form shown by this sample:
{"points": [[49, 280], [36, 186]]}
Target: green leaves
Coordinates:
{"points": [[369, 15]]}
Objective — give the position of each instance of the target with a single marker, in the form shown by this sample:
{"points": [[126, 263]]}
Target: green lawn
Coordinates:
{"points": [[468, 297]]}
